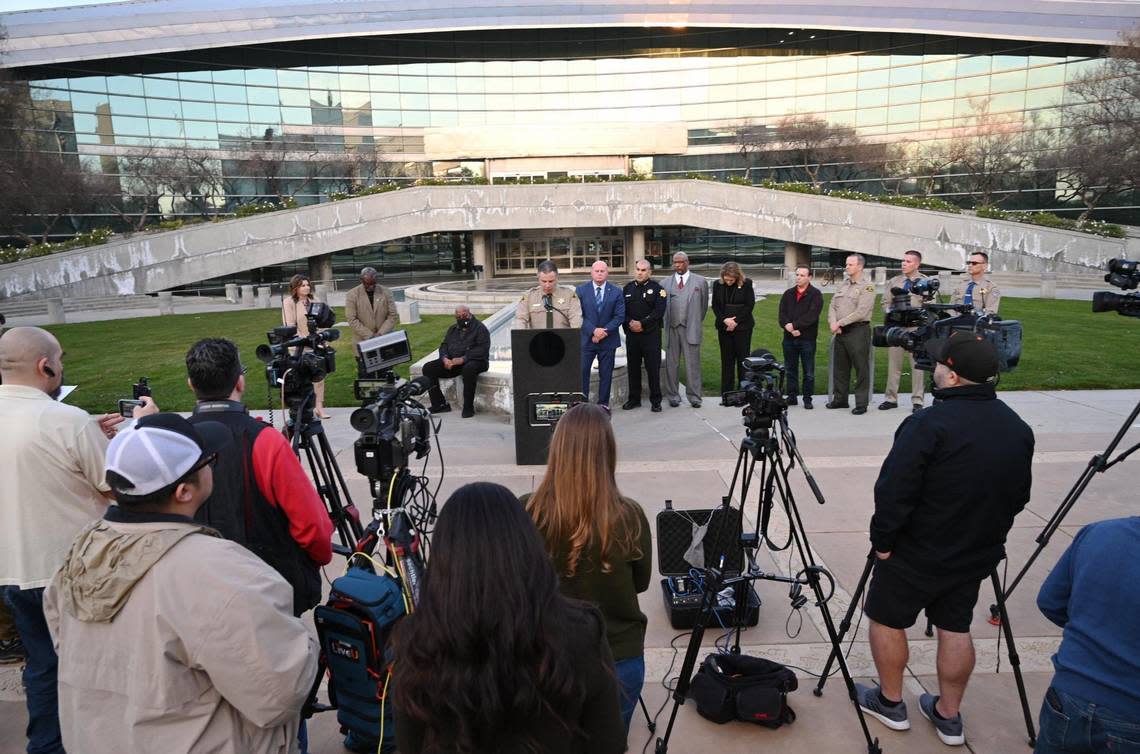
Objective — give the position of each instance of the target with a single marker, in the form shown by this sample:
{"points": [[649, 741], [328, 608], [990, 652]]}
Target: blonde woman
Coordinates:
{"points": [[599, 541], [732, 302], [294, 309]]}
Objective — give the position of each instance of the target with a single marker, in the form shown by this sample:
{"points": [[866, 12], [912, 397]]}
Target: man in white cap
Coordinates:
{"points": [[171, 638]]}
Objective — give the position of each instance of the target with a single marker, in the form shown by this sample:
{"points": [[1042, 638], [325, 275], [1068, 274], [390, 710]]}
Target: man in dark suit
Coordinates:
{"points": [[603, 311]]}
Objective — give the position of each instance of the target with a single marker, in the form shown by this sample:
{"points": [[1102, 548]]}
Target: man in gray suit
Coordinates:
{"points": [[687, 304]]}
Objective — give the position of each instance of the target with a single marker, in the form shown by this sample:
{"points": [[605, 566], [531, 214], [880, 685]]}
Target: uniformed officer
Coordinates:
{"points": [[645, 302], [849, 317], [910, 274], [548, 305], [976, 289]]}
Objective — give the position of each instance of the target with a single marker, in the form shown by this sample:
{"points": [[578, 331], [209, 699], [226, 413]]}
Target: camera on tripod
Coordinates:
{"points": [[392, 426], [909, 326], [761, 391], [1123, 274], [295, 362]]}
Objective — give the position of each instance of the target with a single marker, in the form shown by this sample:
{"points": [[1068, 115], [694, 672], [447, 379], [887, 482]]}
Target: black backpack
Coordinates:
{"points": [[737, 687]]}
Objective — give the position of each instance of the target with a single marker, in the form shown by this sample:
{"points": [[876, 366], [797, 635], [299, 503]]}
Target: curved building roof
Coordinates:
{"points": [[142, 27]]}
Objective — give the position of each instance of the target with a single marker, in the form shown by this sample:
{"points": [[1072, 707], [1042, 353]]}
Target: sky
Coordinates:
{"points": [[10, 5]]}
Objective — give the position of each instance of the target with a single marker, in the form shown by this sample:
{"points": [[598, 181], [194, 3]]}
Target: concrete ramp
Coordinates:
{"points": [[151, 262]]}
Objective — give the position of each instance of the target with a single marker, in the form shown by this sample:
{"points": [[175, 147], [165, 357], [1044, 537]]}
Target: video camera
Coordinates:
{"points": [[909, 327], [295, 362], [761, 392], [392, 426], [1123, 274]]}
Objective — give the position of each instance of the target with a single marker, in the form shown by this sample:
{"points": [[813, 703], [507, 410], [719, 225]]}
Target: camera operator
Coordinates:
{"points": [[1093, 592], [945, 500], [172, 639], [910, 274], [464, 352], [976, 289], [54, 486], [262, 498]]}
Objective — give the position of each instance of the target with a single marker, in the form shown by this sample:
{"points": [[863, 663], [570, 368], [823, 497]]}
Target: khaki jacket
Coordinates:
{"points": [[987, 297], [369, 320], [530, 314], [851, 303], [171, 639]]}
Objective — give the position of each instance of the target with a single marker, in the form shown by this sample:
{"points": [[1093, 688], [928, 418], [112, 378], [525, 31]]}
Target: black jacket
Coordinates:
{"points": [[948, 490], [473, 342], [733, 301], [803, 314]]}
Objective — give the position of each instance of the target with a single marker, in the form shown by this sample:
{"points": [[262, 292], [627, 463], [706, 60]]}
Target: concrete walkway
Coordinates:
{"points": [[687, 455]]}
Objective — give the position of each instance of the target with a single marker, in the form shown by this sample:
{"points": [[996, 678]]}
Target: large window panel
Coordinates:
{"points": [[386, 118], [229, 93], [1011, 81], [233, 114], [87, 102], [265, 114], [128, 105], [905, 69], [204, 132], [901, 95], [939, 70], [297, 116], [129, 128], [165, 130], [196, 90], [292, 78], [938, 90], [235, 76], [162, 108], [124, 85]]}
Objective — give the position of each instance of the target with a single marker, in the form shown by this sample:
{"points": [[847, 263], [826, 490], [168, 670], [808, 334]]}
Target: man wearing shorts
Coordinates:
{"points": [[945, 499]]}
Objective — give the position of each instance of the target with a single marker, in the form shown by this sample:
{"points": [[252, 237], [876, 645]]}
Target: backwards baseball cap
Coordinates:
{"points": [[969, 354], [160, 449]]}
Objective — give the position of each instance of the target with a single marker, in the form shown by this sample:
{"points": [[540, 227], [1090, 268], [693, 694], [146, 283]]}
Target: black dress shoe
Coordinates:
{"points": [[886, 405], [629, 405], [859, 410], [440, 409], [656, 408], [674, 404], [468, 413], [833, 404], [793, 400], [807, 404]]}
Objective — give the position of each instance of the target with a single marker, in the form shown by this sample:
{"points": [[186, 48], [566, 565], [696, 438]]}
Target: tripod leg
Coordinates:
{"points": [[837, 653], [845, 624], [1014, 660], [645, 711]]}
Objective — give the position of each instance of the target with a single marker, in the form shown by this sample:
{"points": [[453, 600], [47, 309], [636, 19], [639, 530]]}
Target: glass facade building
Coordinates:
{"points": [[307, 119]]}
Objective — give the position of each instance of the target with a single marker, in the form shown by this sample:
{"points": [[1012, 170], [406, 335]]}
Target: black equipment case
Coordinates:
{"points": [[681, 592]]}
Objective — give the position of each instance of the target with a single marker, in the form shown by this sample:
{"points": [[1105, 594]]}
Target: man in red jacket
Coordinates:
{"points": [[262, 497]]}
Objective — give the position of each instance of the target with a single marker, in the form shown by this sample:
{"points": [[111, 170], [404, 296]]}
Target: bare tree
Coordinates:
{"points": [[992, 153], [194, 176], [824, 151], [1099, 154]]}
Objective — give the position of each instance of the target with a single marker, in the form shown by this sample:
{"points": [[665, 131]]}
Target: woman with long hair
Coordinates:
{"points": [[732, 303], [294, 312], [599, 541], [495, 658]]}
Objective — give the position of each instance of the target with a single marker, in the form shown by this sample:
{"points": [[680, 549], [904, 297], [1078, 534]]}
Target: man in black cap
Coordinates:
{"points": [[945, 499]]}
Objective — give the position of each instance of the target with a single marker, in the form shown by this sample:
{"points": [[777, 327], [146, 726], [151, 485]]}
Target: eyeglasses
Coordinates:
{"points": [[209, 460]]}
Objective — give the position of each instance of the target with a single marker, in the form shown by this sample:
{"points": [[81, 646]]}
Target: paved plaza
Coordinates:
{"points": [[687, 455]]}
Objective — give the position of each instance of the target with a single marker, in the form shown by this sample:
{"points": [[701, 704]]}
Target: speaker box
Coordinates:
{"points": [[546, 376]]}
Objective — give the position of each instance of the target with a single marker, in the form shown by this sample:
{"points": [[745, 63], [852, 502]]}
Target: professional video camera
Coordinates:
{"points": [[909, 327], [392, 426], [293, 363], [761, 391], [1123, 274]]}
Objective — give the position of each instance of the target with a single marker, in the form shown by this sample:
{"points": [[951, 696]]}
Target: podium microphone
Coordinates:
{"points": [[548, 304]]}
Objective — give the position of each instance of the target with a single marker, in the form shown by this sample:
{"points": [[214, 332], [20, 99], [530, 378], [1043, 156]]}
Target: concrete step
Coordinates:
{"points": [[40, 307]]}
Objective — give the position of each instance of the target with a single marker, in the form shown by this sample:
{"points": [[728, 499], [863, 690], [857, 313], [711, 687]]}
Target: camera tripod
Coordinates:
{"points": [[767, 442], [1098, 463], [306, 433], [999, 608]]}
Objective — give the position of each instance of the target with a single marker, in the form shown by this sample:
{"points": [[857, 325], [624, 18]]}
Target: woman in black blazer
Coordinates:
{"points": [[732, 302]]}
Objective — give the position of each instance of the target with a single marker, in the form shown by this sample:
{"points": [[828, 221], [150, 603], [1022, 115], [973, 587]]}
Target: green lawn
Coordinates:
{"points": [[1065, 346]]}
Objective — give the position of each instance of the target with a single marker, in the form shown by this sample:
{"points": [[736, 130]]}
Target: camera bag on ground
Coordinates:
{"points": [[737, 687], [354, 627]]}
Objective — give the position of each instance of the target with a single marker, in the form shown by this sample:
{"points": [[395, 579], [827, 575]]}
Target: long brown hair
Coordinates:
{"points": [[732, 269], [295, 285], [578, 502]]}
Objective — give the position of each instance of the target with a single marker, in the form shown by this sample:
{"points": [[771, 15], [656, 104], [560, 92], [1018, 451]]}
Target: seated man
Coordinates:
{"points": [[464, 351], [189, 638]]}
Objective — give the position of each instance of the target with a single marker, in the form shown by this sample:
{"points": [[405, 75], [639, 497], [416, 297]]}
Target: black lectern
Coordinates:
{"points": [[546, 375]]}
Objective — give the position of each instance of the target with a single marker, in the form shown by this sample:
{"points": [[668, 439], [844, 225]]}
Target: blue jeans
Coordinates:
{"points": [[40, 671], [796, 351], [631, 677], [1080, 726]]}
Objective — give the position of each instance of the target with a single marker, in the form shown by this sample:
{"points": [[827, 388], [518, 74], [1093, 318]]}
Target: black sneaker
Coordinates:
{"points": [[887, 405], [859, 410], [834, 404], [807, 404], [439, 409], [655, 408], [793, 401], [894, 718], [630, 405], [12, 650], [467, 412]]}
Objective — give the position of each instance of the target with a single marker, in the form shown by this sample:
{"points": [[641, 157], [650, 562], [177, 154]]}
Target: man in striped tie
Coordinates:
{"points": [[976, 289]]}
